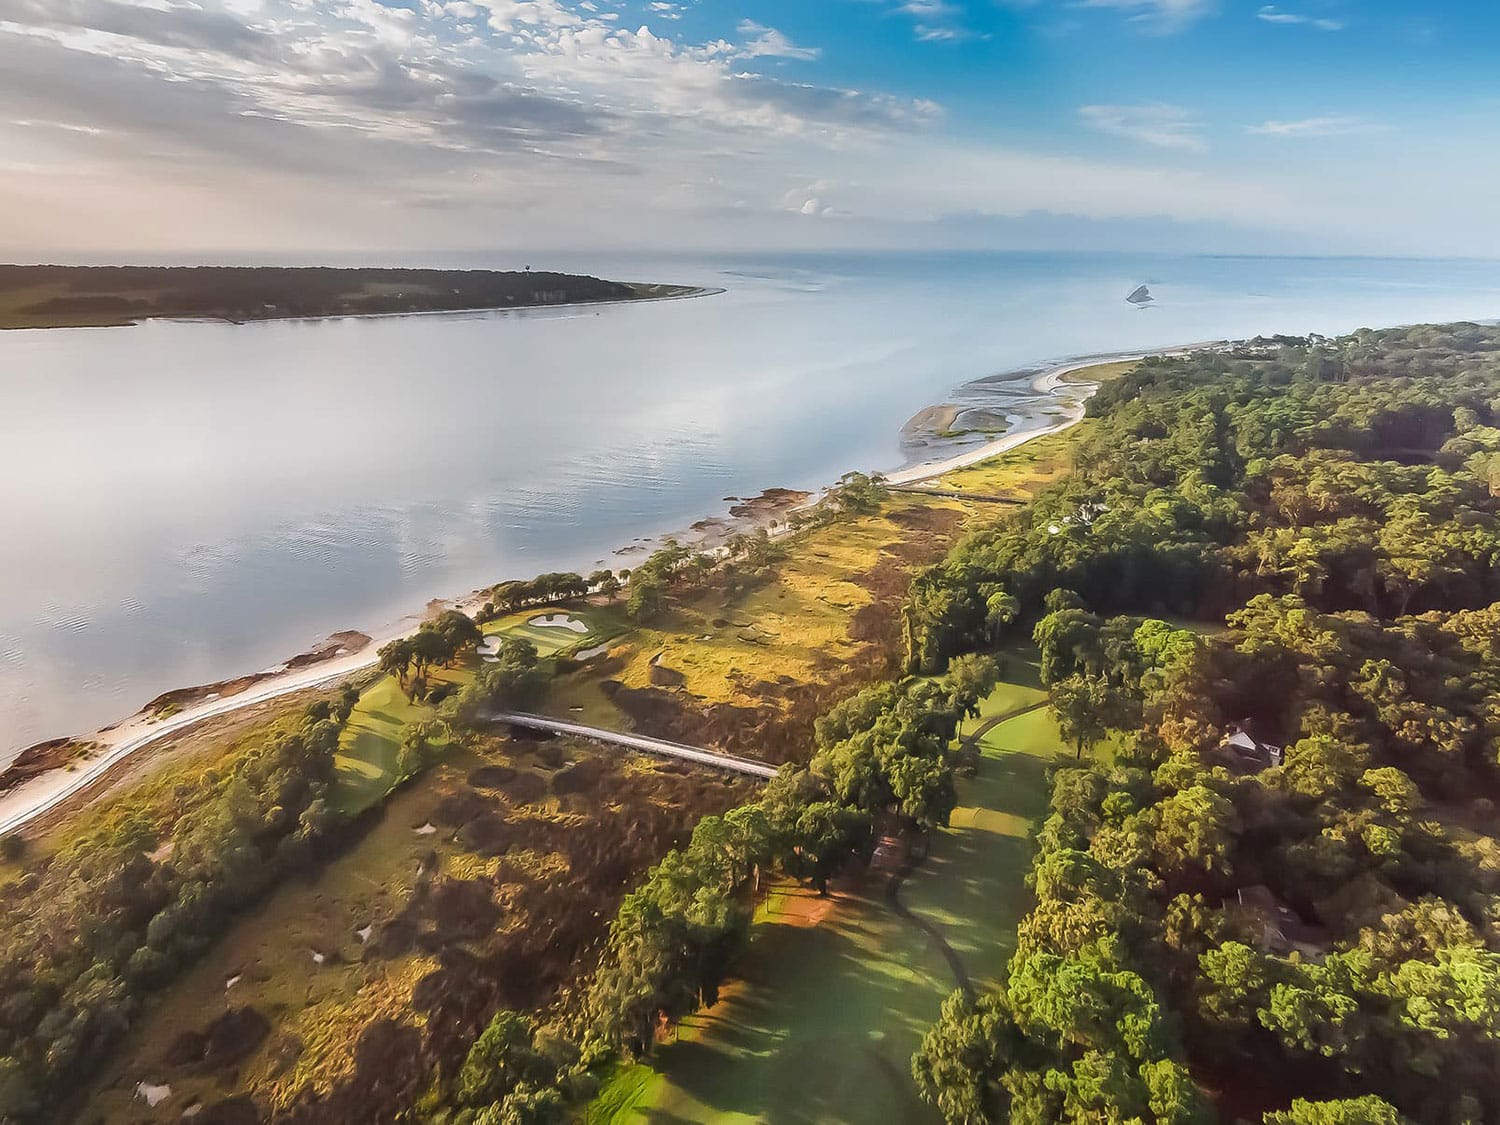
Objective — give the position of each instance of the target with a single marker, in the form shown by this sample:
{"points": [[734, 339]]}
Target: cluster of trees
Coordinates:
{"points": [[91, 931], [884, 756], [516, 680], [438, 643], [1359, 473], [745, 559], [885, 752], [1317, 940], [549, 589]]}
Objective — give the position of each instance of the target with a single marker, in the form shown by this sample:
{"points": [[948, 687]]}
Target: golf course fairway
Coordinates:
{"points": [[833, 995]]}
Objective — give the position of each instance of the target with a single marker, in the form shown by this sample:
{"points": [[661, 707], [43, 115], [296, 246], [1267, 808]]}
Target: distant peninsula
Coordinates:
{"points": [[92, 296]]}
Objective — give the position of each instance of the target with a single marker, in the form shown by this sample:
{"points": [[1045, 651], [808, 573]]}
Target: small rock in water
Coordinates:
{"points": [[153, 1095]]}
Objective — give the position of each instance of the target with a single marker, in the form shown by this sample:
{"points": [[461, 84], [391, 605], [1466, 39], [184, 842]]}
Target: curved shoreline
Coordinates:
{"points": [[42, 793]]}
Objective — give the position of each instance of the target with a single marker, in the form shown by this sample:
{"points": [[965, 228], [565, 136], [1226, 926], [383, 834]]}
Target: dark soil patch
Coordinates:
{"points": [[186, 1049], [662, 676], [487, 834], [525, 788], [234, 1035], [921, 517], [231, 1111], [393, 939], [464, 909], [227, 1040], [551, 755], [580, 777], [491, 777], [458, 809]]}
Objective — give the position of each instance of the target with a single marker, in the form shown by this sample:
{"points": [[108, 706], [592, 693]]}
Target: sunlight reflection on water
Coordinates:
{"points": [[189, 501]]}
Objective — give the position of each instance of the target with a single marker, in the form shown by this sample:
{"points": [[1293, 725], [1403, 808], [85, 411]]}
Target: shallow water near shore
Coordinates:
{"points": [[185, 502]]}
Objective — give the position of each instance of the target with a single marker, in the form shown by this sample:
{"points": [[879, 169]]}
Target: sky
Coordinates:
{"points": [[242, 129]]}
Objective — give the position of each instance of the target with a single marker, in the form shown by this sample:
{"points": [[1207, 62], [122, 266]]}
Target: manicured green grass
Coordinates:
{"points": [[1034, 733], [604, 623], [828, 1011], [365, 765]]}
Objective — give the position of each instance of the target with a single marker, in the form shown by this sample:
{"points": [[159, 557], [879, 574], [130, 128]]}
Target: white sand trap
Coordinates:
{"points": [[153, 1095], [426, 830], [489, 648], [364, 934], [590, 653], [193, 1110], [318, 958], [559, 621], [231, 982]]}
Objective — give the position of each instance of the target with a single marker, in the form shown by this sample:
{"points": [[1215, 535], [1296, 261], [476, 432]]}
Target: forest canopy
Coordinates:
{"points": [[1272, 581]]}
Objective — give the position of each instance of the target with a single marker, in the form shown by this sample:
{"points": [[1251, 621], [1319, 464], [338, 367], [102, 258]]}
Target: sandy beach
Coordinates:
{"points": [[45, 791], [1049, 382]]}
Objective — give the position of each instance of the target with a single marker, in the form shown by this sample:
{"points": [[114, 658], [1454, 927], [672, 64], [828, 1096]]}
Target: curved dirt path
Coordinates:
{"points": [[933, 931]]}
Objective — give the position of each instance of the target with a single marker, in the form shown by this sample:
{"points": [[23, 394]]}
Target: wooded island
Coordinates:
{"points": [[96, 296]]}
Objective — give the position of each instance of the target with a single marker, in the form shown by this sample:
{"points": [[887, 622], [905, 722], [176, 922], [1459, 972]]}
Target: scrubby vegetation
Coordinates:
{"points": [[885, 757], [91, 931], [1303, 923]]}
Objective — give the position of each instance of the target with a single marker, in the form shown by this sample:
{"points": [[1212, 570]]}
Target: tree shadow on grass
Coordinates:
{"points": [[810, 1035]]}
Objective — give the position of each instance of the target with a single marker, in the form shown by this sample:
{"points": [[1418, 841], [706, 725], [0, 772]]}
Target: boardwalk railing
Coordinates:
{"points": [[657, 746]]}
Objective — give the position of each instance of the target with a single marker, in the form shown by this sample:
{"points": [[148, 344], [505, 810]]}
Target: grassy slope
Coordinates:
{"points": [[793, 628], [366, 762], [825, 1019]]}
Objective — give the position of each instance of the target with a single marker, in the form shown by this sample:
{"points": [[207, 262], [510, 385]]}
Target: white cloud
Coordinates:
{"points": [[1272, 14], [935, 21], [1159, 15], [1162, 126], [767, 42], [1330, 126], [323, 125]]}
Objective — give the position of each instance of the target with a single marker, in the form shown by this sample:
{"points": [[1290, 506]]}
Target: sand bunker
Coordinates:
{"points": [[153, 1095], [559, 621], [590, 653]]}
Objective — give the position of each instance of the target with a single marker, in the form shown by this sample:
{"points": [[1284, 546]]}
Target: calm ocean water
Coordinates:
{"points": [[183, 502]]}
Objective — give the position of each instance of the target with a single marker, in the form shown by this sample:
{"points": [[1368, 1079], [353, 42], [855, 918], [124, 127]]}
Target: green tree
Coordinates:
{"points": [[1082, 706], [1366, 1110], [959, 1065]]}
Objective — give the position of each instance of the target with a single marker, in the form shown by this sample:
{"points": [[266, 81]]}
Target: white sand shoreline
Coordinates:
{"points": [[41, 794], [1048, 382]]}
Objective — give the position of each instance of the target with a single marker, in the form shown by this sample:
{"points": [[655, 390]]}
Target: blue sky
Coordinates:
{"points": [[265, 126]]}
